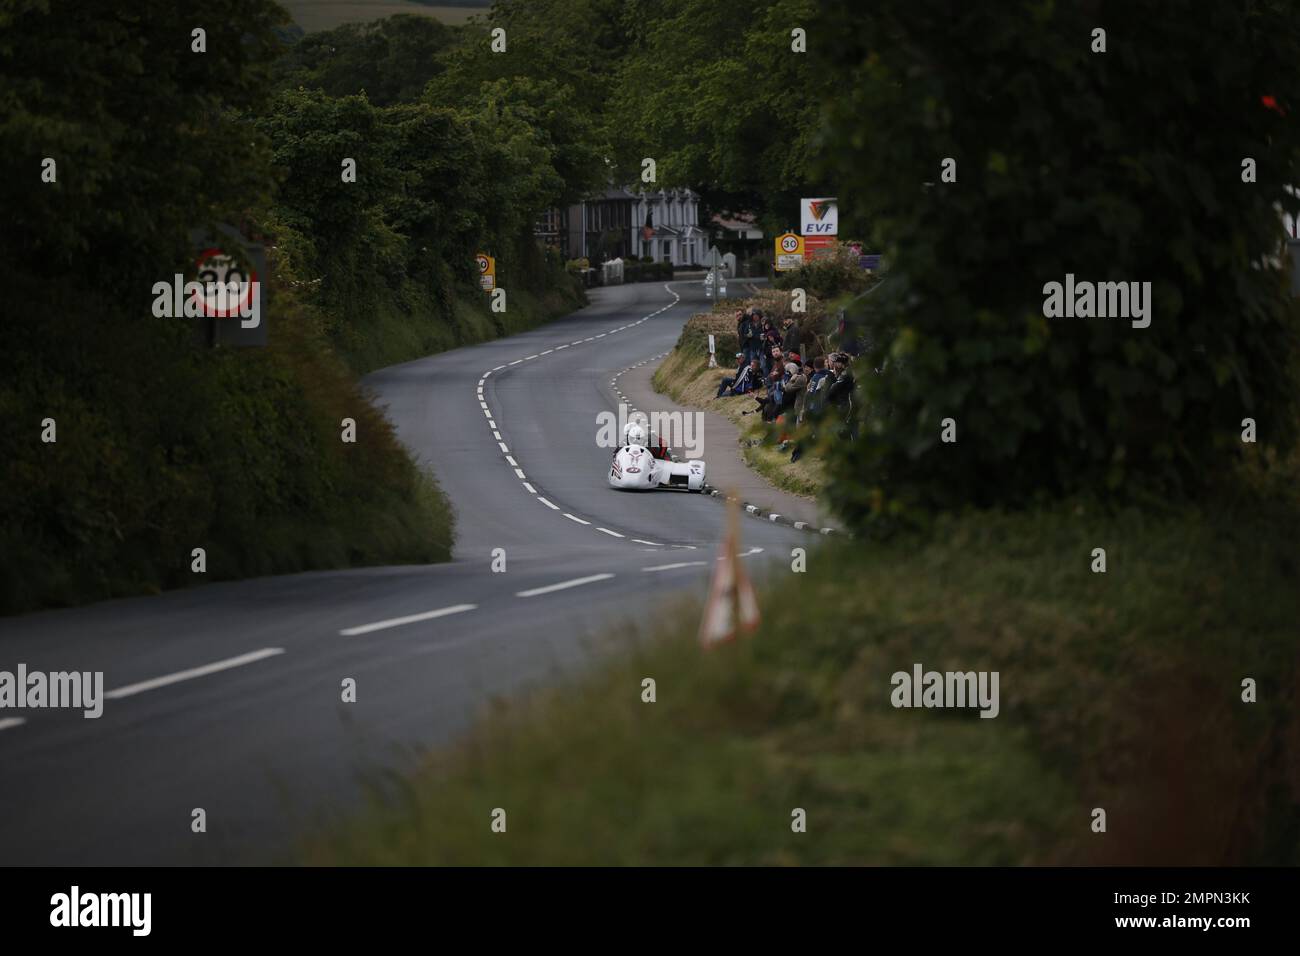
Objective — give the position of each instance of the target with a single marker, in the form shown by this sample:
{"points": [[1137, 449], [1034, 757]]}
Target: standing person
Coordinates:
{"points": [[756, 336], [768, 337], [744, 332], [791, 335], [771, 334], [840, 395]]}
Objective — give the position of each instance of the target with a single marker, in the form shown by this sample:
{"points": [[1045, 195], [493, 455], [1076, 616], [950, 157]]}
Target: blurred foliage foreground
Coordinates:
{"points": [[1120, 691]]}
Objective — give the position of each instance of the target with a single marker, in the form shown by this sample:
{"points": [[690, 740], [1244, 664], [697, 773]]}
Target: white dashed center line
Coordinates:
{"points": [[576, 582], [519, 472], [132, 689], [409, 619]]}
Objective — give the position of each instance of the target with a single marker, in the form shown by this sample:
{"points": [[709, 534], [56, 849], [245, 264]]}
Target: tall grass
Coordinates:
{"points": [[1120, 691]]}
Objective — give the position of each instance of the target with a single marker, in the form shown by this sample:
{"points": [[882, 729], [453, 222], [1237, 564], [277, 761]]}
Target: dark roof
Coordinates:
{"points": [[614, 192]]}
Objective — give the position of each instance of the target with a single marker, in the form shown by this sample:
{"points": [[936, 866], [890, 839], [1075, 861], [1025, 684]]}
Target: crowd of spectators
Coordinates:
{"points": [[791, 388]]}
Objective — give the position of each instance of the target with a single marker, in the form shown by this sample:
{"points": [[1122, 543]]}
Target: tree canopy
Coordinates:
{"points": [[1124, 165]]}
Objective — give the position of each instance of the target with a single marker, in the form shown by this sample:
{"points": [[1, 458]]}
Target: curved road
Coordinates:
{"points": [[226, 697]]}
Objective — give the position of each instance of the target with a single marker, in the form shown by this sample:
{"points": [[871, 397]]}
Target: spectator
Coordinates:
{"points": [[747, 378], [792, 388], [814, 397], [745, 333], [840, 394], [791, 335], [752, 345], [773, 360], [771, 402], [819, 384], [801, 403]]}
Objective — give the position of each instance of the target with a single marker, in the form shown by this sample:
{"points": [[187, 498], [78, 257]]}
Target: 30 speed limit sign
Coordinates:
{"points": [[230, 274], [789, 251], [487, 271], [220, 273]]}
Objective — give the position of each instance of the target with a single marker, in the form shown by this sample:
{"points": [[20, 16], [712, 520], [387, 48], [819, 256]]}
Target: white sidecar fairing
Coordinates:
{"points": [[635, 469]]}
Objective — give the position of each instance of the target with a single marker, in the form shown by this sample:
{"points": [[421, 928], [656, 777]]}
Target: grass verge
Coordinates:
{"points": [[1120, 691], [684, 376]]}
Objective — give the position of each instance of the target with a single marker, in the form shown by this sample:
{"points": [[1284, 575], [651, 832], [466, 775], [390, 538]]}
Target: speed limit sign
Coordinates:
{"points": [[219, 272], [232, 301], [487, 271], [789, 251]]}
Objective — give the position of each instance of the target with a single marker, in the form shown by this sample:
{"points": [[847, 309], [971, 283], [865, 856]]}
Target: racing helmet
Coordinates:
{"points": [[635, 434]]}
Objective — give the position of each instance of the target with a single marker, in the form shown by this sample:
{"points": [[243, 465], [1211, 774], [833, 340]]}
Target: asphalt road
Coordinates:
{"points": [[226, 697]]}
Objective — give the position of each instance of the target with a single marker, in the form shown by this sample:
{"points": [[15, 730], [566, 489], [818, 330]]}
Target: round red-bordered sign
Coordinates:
{"points": [[220, 272]]}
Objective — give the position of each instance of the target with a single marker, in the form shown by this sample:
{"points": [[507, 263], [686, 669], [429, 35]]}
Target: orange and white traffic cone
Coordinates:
{"points": [[732, 607]]}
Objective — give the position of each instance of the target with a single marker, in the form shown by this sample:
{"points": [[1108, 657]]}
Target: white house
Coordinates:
{"points": [[666, 227], [664, 224]]}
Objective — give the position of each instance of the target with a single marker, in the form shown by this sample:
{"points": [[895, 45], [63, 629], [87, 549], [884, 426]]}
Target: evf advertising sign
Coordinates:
{"points": [[819, 217]]}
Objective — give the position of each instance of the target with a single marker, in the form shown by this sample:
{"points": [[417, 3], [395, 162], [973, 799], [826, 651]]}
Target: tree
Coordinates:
{"points": [[390, 60], [1117, 166], [145, 133], [719, 98]]}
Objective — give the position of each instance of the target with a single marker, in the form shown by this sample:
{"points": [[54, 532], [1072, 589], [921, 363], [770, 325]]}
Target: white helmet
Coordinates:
{"points": [[634, 434]]}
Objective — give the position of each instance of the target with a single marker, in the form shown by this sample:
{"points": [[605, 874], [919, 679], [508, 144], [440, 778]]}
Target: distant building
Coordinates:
{"points": [[738, 234], [622, 224], [668, 227], [735, 227]]}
